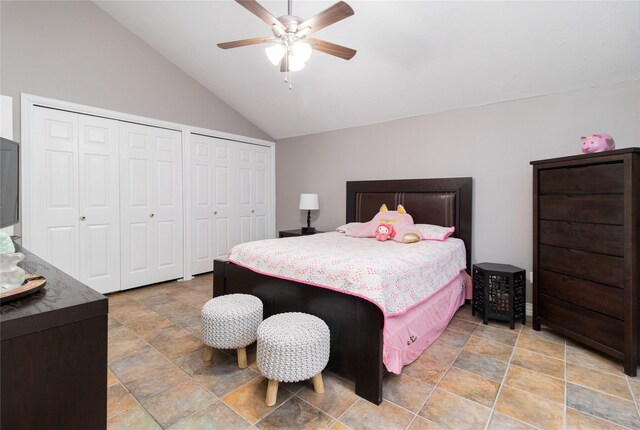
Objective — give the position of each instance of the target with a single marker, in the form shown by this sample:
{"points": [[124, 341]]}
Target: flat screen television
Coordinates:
{"points": [[9, 182]]}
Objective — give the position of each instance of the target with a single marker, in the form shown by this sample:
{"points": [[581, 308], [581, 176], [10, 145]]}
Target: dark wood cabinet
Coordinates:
{"points": [[586, 256], [53, 357]]}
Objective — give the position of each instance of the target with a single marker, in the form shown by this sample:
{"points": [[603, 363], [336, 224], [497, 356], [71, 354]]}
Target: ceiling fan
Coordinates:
{"points": [[292, 46]]}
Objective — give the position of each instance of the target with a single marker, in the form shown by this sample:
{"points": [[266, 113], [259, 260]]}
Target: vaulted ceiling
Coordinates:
{"points": [[414, 57]]}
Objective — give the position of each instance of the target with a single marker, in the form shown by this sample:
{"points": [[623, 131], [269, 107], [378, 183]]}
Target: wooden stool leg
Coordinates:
{"points": [[242, 358], [208, 353], [272, 392], [318, 385]]}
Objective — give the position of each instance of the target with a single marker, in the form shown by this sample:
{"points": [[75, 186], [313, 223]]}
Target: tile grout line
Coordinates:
{"points": [[502, 383], [447, 371], [348, 409], [192, 379], [633, 396]]}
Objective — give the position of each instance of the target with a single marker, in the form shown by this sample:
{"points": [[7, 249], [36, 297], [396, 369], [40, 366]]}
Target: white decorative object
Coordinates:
{"points": [[292, 347], [231, 322], [11, 276]]}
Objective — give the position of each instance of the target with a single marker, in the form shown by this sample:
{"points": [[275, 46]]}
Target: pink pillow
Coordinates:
{"points": [[402, 222], [343, 228], [435, 232]]}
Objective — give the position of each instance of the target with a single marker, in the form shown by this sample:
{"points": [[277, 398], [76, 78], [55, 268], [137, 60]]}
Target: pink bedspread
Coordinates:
{"points": [[395, 276], [417, 286]]}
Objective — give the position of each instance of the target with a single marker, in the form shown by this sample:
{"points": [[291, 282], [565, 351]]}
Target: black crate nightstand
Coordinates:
{"points": [[499, 292]]}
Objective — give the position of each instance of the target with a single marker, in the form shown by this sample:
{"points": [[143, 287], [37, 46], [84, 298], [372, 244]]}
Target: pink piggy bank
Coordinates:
{"points": [[597, 143]]}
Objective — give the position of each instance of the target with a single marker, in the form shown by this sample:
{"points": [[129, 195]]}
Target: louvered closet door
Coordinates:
{"points": [[214, 187], [99, 203], [151, 204], [254, 192], [53, 188]]}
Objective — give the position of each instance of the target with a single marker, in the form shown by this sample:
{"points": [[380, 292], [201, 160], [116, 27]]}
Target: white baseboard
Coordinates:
{"points": [[529, 309]]}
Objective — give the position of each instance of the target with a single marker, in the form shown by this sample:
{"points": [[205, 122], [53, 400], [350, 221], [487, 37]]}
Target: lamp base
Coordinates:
{"points": [[308, 230]]}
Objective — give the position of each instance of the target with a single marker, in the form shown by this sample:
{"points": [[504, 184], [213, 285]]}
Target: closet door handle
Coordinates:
{"points": [[215, 212], [82, 218], [252, 211], [152, 215]]}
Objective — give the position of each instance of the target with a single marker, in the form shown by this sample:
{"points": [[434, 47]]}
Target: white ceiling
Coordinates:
{"points": [[414, 57]]}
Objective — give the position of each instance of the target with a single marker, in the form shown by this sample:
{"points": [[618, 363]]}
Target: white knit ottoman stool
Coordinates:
{"points": [[292, 347], [231, 322]]}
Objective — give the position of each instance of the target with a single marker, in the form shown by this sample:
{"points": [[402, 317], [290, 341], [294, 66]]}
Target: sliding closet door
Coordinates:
{"points": [[73, 195], [231, 197], [254, 194], [150, 204], [53, 188], [214, 186], [99, 212]]}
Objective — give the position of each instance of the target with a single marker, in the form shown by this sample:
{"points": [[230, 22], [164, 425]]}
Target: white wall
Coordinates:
{"points": [[493, 144], [74, 51]]}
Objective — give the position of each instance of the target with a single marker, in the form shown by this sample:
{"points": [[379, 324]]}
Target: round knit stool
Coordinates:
{"points": [[292, 347], [231, 322]]}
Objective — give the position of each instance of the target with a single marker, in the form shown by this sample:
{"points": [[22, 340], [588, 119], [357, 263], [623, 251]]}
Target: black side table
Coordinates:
{"points": [[499, 292], [294, 233]]}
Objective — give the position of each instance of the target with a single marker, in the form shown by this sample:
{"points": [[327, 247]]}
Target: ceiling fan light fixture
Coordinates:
{"points": [[275, 53], [295, 63], [290, 45], [301, 51]]}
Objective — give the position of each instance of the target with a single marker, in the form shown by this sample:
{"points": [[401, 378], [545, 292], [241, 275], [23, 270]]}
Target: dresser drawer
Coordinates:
{"points": [[604, 269], [606, 330], [601, 238], [600, 209], [591, 295], [596, 179]]}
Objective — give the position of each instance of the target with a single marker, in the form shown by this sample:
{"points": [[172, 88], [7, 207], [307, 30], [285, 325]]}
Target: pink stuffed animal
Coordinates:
{"points": [[403, 226], [597, 143], [384, 232]]}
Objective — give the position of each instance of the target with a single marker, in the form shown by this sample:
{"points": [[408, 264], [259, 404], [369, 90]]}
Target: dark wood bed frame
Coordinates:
{"points": [[356, 324]]}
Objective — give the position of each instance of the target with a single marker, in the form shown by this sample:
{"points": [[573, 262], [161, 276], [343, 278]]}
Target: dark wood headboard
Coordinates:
{"points": [[440, 201]]}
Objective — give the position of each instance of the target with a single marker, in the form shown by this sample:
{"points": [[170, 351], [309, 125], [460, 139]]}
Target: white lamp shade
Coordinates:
{"points": [[295, 63], [275, 53], [309, 202], [302, 51]]}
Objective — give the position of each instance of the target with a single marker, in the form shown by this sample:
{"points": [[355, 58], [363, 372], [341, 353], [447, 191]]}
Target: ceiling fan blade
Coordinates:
{"points": [[255, 8], [332, 48], [245, 42], [335, 13], [284, 66]]}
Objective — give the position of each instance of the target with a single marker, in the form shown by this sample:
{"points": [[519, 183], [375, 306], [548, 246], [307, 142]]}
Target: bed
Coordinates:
{"points": [[357, 324]]}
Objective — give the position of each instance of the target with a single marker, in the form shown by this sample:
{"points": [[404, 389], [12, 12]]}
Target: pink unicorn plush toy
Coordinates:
{"points": [[401, 222], [597, 143], [384, 232]]}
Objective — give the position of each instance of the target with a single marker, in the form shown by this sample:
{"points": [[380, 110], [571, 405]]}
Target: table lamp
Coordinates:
{"points": [[309, 202]]}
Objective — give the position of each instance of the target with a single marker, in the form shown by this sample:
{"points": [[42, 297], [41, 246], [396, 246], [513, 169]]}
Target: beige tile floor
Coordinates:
{"points": [[473, 377]]}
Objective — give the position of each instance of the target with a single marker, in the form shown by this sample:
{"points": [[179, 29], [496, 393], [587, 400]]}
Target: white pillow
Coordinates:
{"points": [[435, 232]]}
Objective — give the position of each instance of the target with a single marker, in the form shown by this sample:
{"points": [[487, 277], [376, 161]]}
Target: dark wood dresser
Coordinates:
{"points": [[53, 356], [586, 261]]}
